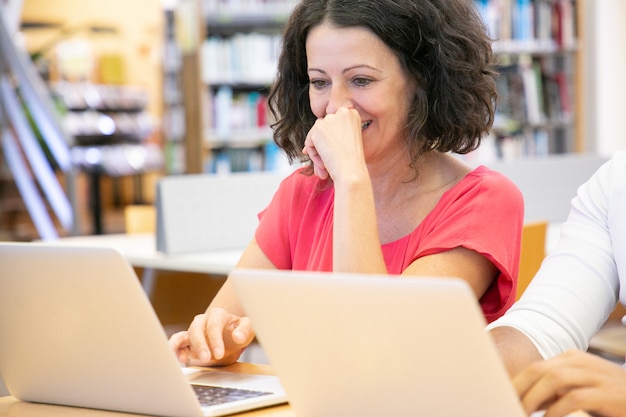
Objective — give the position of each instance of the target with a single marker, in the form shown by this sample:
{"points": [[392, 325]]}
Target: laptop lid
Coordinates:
{"points": [[349, 345], [77, 329]]}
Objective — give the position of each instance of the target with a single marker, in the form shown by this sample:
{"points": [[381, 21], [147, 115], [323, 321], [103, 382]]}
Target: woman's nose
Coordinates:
{"points": [[339, 97]]}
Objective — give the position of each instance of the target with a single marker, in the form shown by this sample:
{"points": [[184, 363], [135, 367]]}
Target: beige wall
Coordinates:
{"points": [[139, 25]]}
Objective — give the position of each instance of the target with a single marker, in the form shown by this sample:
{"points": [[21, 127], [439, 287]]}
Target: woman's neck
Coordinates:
{"points": [[433, 172]]}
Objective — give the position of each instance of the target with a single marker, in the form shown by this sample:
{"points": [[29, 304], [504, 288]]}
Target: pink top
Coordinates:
{"points": [[483, 212]]}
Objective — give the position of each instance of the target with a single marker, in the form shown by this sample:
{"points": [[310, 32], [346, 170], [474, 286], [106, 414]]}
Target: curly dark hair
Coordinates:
{"points": [[443, 46]]}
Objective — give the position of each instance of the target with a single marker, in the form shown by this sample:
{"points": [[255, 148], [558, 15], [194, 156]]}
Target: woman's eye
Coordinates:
{"points": [[361, 82], [318, 84]]}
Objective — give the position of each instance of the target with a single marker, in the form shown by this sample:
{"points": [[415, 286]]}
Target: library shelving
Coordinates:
{"points": [[224, 79], [238, 64], [536, 49], [110, 129], [173, 119], [535, 46]]}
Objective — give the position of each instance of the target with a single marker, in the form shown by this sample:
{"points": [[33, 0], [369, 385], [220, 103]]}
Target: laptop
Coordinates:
{"points": [[348, 345], [78, 330]]}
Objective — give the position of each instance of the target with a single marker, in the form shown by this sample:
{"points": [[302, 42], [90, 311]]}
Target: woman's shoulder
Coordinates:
{"points": [[493, 180], [301, 176], [484, 171]]}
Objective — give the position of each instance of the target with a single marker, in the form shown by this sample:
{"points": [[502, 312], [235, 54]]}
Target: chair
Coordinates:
{"points": [[533, 252], [140, 218]]}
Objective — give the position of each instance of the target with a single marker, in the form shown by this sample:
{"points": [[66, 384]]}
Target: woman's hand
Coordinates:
{"points": [[334, 143], [216, 337], [571, 382]]}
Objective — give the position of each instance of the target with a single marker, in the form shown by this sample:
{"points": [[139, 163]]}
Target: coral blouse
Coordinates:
{"points": [[482, 212]]}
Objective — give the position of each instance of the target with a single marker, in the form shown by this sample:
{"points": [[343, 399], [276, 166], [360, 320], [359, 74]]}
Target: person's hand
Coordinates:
{"points": [[214, 338], [334, 143], [571, 382]]}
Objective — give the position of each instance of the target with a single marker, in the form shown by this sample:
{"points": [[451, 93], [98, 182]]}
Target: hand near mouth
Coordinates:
{"points": [[334, 143]]}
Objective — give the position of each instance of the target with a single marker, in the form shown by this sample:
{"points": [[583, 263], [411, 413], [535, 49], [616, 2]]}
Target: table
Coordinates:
{"points": [[140, 251], [11, 407]]}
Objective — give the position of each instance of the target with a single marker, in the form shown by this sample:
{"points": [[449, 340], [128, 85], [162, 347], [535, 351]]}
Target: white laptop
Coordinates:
{"points": [[78, 330], [346, 345]]}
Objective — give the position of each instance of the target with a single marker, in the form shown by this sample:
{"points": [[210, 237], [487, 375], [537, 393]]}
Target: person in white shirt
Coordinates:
{"points": [[569, 299]]}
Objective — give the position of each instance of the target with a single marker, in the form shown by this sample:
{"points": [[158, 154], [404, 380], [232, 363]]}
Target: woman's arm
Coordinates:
{"points": [[477, 270], [219, 336]]}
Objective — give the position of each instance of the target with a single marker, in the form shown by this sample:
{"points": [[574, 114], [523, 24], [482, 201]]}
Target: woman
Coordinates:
{"points": [[376, 95]]}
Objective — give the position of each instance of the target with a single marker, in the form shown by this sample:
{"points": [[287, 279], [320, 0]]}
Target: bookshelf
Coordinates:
{"points": [[183, 104], [236, 57], [238, 61], [535, 45], [111, 131], [536, 48]]}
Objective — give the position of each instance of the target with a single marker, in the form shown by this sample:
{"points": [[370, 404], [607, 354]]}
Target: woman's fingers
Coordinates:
{"points": [[199, 349], [220, 323], [243, 333], [333, 141], [179, 343], [311, 151]]}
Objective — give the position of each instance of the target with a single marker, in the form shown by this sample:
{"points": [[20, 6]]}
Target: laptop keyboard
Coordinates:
{"points": [[211, 395]]}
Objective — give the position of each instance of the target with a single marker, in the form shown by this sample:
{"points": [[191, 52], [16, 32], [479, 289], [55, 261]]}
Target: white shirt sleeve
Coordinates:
{"points": [[577, 285]]}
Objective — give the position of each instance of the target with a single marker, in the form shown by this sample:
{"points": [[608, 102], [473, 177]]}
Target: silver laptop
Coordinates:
{"points": [[77, 329], [346, 345]]}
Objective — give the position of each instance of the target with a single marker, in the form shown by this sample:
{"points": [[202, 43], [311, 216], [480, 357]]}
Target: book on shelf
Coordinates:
{"points": [[564, 12], [535, 23], [533, 90], [511, 104], [532, 94], [564, 94], [509, 147], [246, 8], [238, 117], [523, 144], [244, 58]]}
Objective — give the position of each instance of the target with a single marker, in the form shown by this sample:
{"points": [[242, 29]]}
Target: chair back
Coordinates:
{"points": [[532, 253], [140, 218]]}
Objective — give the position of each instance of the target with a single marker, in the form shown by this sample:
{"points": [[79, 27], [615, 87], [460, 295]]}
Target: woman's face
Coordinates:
{"points": [[351, 67]]}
